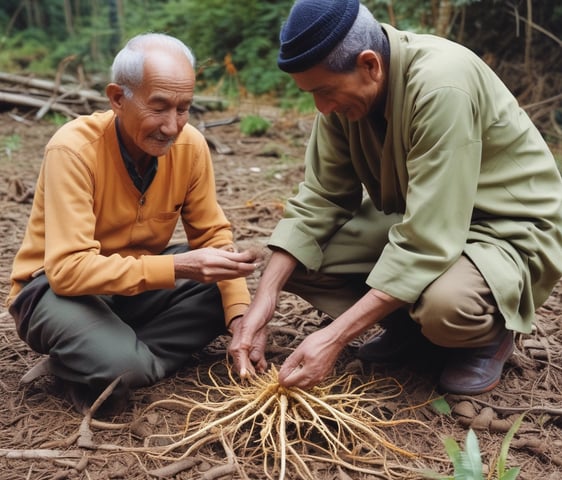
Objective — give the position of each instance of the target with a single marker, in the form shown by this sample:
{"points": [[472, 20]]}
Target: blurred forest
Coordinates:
{"points": [[236, 42]]}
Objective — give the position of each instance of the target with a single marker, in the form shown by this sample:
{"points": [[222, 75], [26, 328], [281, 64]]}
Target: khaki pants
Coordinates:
{"points": [[456, 310]]}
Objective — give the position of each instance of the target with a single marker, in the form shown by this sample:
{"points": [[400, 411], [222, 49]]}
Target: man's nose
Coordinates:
{"points": [[173, 123]]}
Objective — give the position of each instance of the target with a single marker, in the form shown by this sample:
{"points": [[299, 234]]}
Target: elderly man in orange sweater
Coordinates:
{"points": [[96, 285]]}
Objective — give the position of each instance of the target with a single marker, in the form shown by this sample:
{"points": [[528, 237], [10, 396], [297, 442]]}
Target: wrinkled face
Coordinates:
{"points": [[150, 120], [352, 94]]}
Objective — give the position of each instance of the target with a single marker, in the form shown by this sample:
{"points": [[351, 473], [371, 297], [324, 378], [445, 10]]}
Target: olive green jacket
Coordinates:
{"points": [[461, 163]]}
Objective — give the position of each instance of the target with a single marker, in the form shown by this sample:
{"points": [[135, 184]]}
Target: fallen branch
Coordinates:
{"points": [[28, 101], [219, 472], [39, 453], [85, 439], [52, 86], [174, 468], [523, 409]]}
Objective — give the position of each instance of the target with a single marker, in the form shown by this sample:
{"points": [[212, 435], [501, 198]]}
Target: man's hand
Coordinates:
{"points": [[207, 265], [312, 361], [249, 333], [249, 337], [248, 355], [316, 356]]}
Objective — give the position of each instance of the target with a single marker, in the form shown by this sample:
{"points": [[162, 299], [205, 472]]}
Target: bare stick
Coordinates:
{"points": [[85, 440], [174, 468], [39, 453]]}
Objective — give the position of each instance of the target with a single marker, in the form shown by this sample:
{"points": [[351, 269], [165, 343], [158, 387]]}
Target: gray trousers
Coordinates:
{"points": [[93, 339], [456, 310]]}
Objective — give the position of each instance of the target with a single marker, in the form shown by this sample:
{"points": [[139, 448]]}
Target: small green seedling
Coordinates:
{"points": [[254, 125], [467, 463], [10, 144]]}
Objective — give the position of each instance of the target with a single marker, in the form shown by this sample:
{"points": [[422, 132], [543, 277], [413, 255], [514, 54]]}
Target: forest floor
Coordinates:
{"points": [[42, 437]]}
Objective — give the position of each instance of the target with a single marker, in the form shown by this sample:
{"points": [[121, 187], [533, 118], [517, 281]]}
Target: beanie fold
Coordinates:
{"points": [[312, 30]]}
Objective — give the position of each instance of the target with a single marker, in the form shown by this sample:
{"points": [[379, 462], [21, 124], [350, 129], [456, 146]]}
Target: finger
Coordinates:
{"points": [[239, 257], [291, 370], [227, 271], [230, 260], [246, 368], [250, 260], [293, 377], [257, 358], [262, 365], [241, 266], [254, 254]]}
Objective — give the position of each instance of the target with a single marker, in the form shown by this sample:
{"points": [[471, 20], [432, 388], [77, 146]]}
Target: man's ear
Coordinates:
{"points": [[116, 95], [371, 61]]}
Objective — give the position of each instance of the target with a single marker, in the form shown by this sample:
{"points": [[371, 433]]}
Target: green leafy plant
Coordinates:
{"points": [[10, 144], [467, 463], [440, 405], [248, 30], [57, 119], [254, 125], [295, 99], [501, 469]]}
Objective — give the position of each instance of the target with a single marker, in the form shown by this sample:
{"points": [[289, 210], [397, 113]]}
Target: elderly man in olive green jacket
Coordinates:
{"points": [[430, 202]]}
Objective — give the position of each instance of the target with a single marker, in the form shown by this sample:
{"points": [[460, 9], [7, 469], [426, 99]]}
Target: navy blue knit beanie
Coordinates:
{"points": [[312, 30]]}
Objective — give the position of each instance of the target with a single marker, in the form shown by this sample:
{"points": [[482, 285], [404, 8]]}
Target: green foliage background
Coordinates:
{"points": [[36, 35]]}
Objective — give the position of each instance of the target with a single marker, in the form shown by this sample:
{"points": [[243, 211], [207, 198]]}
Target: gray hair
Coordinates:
{"points": [[128, 65], [365, 33]]}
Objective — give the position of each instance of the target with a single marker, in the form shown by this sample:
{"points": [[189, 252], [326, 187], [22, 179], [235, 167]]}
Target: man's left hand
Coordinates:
{"points": [[311, 362]]}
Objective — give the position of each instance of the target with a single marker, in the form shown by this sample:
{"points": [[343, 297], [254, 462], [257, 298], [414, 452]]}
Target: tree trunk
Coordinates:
{"points": [[115, 26], [68, 21], [529, 38], [444, 15], [391, 14]]}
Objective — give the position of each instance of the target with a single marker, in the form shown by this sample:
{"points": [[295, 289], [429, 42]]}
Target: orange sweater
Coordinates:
{"points": [[93, 232]]}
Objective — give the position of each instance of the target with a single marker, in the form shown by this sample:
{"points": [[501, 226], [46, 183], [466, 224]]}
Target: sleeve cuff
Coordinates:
{"points": [[159, 271], [303, 247], [236, 310]]}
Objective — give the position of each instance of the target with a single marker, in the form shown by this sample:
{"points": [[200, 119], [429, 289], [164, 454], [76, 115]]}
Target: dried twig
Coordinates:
{"points": [[85, 439], [174, 468], [39, 453]]}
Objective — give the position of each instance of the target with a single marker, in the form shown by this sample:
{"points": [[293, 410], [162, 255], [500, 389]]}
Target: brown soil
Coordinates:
{"points": [[253, 182]]}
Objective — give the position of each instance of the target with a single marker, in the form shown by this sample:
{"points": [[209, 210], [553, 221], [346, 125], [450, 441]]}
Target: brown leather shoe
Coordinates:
{"points": [[400, 341], [471, 371]]}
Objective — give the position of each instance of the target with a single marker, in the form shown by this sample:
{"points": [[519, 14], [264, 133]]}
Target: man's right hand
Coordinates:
{"points": [[207, 265], [249, 339], [249, 335]]}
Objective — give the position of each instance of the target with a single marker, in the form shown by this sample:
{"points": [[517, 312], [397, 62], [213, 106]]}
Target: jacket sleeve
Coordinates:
{"points": [[327, 198]]}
